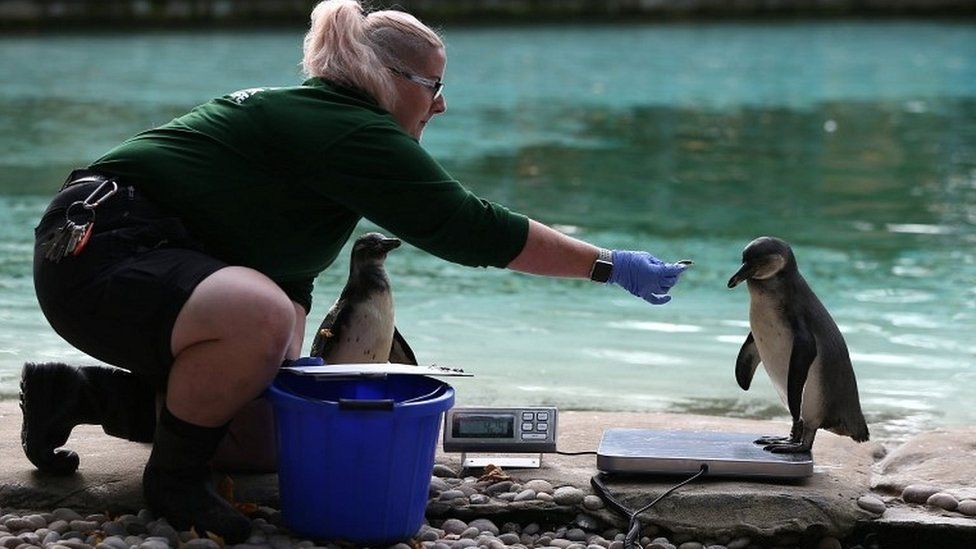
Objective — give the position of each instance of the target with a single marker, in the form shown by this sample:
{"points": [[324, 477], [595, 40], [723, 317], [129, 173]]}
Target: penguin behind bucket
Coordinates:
{"points": [[359, 326], [799, 345]]}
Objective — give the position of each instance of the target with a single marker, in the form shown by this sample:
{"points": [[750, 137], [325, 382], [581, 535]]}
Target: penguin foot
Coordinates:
{"points": [[787, 448], [764, 441]]}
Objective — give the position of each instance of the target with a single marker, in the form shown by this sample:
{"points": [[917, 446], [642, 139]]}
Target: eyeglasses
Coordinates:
{"points": [[435, 86]]}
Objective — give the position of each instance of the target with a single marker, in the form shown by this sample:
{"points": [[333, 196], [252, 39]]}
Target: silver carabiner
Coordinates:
{"points": [[89, 205]]}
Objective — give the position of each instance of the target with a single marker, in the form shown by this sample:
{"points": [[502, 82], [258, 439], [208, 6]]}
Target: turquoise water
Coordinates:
{"points": [[854, 141]]}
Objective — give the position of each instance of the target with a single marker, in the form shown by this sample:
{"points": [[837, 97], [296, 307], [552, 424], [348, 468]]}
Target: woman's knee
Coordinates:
{"points": [[238, 304]]}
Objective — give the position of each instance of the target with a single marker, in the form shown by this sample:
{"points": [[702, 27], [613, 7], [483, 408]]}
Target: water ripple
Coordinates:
{"points": [[666, 327]]}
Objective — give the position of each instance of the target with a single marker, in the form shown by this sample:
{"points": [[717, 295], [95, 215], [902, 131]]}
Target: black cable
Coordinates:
{"points": [[576, 453], [634, 527]]}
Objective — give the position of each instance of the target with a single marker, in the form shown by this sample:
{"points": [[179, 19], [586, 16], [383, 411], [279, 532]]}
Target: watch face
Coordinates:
{"points": [[601, 271]]}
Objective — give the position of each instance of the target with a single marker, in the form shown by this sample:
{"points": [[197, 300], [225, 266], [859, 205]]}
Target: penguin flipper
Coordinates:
{"points": [[747, 362], [801, 358], [400, 352], [327, 334]]}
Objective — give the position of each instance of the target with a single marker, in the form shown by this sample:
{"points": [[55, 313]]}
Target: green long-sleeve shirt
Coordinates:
{"points": [[276, 179]]}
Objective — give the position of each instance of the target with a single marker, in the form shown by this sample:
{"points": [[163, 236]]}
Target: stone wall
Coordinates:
{"points": [[54, 14]]}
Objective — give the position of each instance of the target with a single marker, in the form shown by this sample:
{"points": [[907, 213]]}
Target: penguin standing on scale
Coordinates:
{"points": [[360, 327], [800, 346]]}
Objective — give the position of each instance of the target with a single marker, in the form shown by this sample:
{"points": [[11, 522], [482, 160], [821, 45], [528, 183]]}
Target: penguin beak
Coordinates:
{"points": [[388, 244], [744, 272]]}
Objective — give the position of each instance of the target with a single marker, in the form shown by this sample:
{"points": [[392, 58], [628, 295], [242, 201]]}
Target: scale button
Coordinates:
{"points": [[533, 436], [526, 426], [542, 416], [527, 416], [543, 427]]}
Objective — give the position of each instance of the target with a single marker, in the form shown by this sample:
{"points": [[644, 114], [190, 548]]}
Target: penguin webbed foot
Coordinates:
{"points": [[771, 439], [787, 448]]}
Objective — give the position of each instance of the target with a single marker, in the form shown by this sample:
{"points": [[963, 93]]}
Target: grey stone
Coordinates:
{"points": [[568, 495], [462, 543], [586, 522], [592, 502], [539, 485], [509, 538], [716, 546], [448, 495], [441, 470], [437, 485], [72, 534], [454, 526], [525, 495], [54, 537], [468, 489], [479, 499], [561, 543], [430, 534], [36, 521], [31, 538], [657, 545], [576, 534], [531, 528], [163, 530], [113, 542], [507, 496], [495, 544], [918, 493], [544, 496], [133, 540], [66, 514], [441, 545], [97, 517], [154, 544], [691, 545], [872, 504], [59, 526], [470, 532], [484, 525], [943, 501], [145, 516], [83, 526], [967, 507], [115, 528], [18, 524], [617, 544], [499, 487], [74, 544]]}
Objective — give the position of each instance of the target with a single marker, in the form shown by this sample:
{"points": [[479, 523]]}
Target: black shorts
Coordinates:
{"points": [[119, 298]]}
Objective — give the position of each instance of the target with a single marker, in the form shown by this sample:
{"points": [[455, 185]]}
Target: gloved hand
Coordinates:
{"points": [[644, 275]]}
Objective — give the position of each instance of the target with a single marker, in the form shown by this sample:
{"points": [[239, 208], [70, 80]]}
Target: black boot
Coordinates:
{"points": [[177, 481], [55, 397]]}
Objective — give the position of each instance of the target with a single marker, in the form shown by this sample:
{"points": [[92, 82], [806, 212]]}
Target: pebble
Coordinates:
{"points": [[498, 488], [918, 493], [568, 495], [872, 504], [478, 499], [544, 496], [438, 485], [539, 486], [507, 496], [485, 525], [691, 545], [65, 514], [739, 543], [470, 533], [525, 495], [454, 526], [943, 500], [592, 502], [448, 495], [967, 507], [441, 470]]}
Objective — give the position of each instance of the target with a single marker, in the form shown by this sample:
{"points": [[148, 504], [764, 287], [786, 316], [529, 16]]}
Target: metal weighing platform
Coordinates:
{"points": [[646, 451]]}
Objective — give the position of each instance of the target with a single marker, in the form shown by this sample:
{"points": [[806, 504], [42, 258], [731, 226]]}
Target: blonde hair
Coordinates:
{"points": [[353, 48]]}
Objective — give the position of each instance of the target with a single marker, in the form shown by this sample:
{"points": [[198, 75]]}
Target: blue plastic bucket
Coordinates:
{"points": [[355, 456]]}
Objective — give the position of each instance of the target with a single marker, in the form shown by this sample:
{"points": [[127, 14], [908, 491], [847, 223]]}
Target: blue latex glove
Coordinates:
{"points": [[303, 361], [644, 275]]}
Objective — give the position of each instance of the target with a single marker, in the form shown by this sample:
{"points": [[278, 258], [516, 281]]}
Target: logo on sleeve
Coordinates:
{"points": [[243, 95]]}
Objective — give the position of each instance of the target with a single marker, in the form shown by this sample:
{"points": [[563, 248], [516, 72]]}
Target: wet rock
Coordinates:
{"points": [[568, 495], [484, 525], [592, 502], [539, 486], [454, 526], [531, 529], [525, 495], [967, 507], [943, 500], [918, 493], [576, 534], [871, 504], [470, 533], [441, 470], [509, 538]]}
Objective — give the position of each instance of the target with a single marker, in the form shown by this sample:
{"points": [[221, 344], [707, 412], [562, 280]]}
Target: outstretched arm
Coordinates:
{"points": [[550, 253]]}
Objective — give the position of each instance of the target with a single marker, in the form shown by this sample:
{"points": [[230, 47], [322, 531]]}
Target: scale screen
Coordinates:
{"points": [[512, 430]]}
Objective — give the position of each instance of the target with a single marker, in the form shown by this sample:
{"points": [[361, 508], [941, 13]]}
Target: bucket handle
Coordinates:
{"points": [[380, 404]]}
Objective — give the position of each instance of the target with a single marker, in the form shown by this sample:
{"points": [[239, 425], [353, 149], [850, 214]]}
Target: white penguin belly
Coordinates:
{"points": [[774, 340], [368, 336]]}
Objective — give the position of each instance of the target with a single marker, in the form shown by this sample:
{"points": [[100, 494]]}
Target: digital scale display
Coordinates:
{"points": [[484, 426], [500, 429]]}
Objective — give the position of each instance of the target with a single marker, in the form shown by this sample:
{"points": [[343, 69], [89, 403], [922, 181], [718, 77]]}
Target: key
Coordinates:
{"points": [[58, 242], [77, 231], [80, 245]]}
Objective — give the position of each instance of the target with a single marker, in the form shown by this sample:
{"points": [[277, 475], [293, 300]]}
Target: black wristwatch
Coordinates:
{"points": [[602, 267]]}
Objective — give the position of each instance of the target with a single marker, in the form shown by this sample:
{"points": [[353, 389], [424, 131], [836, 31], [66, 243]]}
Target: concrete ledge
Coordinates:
{"points": [[826, 504]]}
